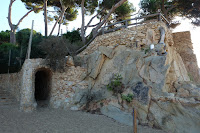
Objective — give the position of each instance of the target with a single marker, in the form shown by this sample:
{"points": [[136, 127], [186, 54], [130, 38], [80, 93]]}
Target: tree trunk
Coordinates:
{"points": [[83, 21], [95, 30], [12, 36], [14, 27], [164, 10], [90, 21], [59, 28], [61, 16], [12, 30], [45, 18]]}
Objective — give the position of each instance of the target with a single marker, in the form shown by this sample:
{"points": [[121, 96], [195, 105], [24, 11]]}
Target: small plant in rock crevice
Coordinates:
{"points": [[91, 105], [116, 84], [127, 98], [191, 77], [146, 50]]}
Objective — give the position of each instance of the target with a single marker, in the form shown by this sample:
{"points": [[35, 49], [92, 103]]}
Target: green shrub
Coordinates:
{"points": [[73, 47], [127, 98], [5, 47], [4, 36], [55, 49], [4, 58], [73, 36], [191, 77], [22, 38], [116, 84], [146, 50], [78, 61]]}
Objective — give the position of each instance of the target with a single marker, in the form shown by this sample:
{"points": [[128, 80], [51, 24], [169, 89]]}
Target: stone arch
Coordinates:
{"points": [[42, 85], [30, 67]]}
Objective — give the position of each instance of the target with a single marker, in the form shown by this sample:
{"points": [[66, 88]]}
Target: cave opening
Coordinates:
{"points": [[42, 87]]}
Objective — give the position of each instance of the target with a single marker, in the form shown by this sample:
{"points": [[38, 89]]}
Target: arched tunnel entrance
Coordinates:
{"points": [[42, 87]]}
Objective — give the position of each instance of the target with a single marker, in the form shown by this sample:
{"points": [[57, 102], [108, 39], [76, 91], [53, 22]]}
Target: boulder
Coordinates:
{"points": [[70, 61], [141, 93], [154, 71], [100, 94], [117, 114], [80, 96], [108, 52], [150, 37], [160, 49], [95, 63], [119, 60], [183, 93], [175, 118]]}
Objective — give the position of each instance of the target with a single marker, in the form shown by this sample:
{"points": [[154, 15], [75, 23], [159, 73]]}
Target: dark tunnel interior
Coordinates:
{"points": [[42, 86]]}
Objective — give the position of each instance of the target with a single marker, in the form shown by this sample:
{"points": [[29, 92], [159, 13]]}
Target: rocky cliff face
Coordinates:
{"points": [[118, 72], [183, 45], [160, 87]]}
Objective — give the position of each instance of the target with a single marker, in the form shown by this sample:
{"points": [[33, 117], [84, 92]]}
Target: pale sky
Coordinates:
{"points": [[19, 10]]}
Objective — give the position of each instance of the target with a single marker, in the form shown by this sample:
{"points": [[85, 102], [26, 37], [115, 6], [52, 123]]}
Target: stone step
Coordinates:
{"points": [[5, 95], [3, 90], [2, 103], [6, 99], [8, 104]]}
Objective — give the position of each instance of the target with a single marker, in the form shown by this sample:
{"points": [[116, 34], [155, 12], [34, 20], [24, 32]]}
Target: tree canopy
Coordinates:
{"points": [[107, 11], [4, 36], [191, 10], [64, 11], [171, 8], [120, 13], [31, 8], [17, 52]]}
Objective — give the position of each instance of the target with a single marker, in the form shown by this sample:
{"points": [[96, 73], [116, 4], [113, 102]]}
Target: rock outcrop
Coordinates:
{"points": [[156, 84], [162, 92]]}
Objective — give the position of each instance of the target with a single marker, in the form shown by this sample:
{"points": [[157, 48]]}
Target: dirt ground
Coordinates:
{"points": [[47, 120]]}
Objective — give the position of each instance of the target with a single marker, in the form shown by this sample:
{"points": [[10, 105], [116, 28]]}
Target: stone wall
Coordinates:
{"points": [[27, 90], [64, 86], [145, 34], [183, 45], [11, 83]]}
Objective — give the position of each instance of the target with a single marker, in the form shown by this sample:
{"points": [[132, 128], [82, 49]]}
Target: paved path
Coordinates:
{"points": [[46, 120]]}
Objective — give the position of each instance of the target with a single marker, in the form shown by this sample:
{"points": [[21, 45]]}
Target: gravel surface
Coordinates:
{"points": [[47, 120]]}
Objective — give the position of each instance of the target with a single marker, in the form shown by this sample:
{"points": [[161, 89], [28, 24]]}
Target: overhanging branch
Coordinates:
{"points": [[88, 25], [108, 15], [27, 15]]}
